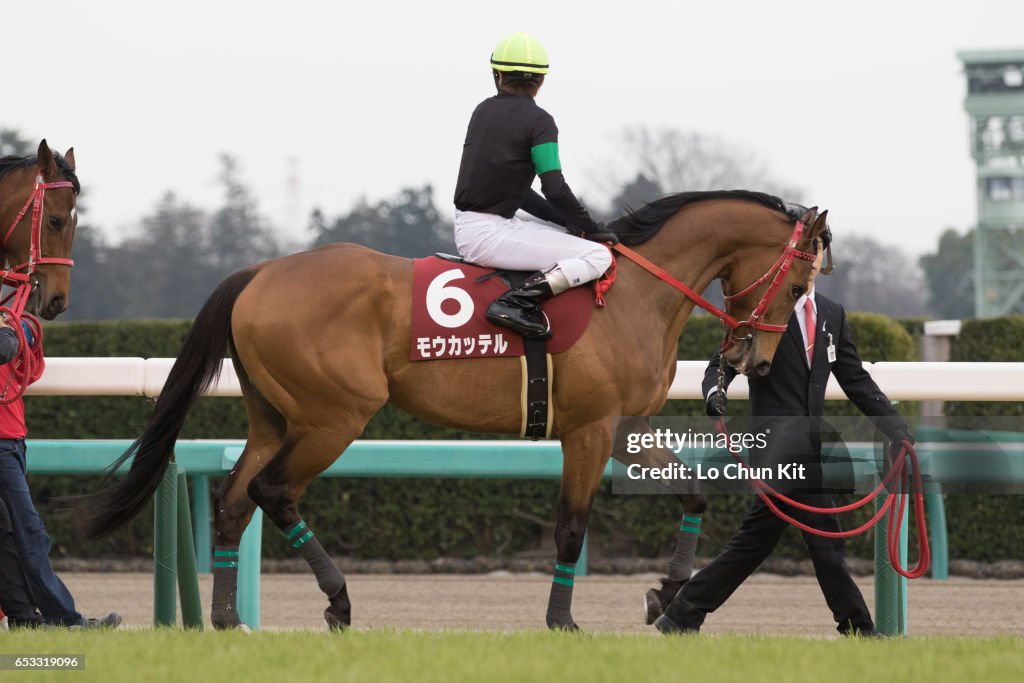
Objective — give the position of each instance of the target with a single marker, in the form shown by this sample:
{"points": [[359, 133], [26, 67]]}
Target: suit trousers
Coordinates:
{"points": [[756, 539]]}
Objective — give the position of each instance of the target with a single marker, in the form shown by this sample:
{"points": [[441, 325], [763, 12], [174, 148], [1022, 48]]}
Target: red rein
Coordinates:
{"points": [[27, 366], [894, 505]]}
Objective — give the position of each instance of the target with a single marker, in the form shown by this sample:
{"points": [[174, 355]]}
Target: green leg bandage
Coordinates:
{"points": [[560, 600], [680, 567], [328, 576], [225, 587]]}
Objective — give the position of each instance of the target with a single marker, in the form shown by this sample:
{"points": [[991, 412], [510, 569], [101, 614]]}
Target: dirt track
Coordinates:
{"points": [[766, 604]]}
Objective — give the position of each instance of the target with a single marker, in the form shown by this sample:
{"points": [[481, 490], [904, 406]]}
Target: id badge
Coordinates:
{"points": [[831, 349]]}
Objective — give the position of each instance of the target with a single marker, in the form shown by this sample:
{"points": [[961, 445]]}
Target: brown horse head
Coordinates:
{"points": [[753, 349], [50, 281]]}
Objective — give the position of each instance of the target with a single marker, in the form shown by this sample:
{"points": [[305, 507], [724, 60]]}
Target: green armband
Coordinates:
{"points": [[545, 157]]}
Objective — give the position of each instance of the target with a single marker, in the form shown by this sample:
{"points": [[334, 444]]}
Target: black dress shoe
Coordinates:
{"points": [[671, 628], [16, 623], [864, 633]]}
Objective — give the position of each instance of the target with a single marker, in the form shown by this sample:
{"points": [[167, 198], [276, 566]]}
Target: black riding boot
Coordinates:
{"points": [[519, 309]]}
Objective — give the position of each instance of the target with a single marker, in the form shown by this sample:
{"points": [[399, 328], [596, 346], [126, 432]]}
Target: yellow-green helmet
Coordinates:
{"points": [[520, 52]]}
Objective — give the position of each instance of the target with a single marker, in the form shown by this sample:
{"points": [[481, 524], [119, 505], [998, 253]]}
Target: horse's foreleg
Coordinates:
{"points": [[585, 453], [277, 489], [680, 565]]}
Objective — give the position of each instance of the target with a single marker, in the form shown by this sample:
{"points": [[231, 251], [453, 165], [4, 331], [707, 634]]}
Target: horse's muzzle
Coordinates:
{"points": [[54, 307]]}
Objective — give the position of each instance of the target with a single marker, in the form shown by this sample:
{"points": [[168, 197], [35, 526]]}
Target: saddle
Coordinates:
{"points": [[450, 297]]}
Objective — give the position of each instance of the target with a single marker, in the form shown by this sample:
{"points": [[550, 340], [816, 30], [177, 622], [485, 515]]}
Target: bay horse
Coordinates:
{"points": [[38, 216], [320, 341]]}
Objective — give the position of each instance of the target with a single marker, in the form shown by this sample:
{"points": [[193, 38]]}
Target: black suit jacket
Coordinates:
{"points": [[793, 389]]}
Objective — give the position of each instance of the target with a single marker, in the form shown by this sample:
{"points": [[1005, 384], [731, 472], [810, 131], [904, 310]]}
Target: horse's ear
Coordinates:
{"points": [[820, 223], [47, 164], [70, 158], [809, 216]]}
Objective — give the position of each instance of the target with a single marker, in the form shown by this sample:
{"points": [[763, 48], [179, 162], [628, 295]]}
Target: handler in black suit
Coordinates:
{"points": [[794, 388]]}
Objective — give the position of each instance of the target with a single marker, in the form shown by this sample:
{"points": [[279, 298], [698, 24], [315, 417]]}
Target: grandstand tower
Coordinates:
{"points": [[995, 103]]}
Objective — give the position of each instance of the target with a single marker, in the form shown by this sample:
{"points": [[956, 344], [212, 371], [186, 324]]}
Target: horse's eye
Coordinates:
{"points": [[798, 291], [56, 222]]}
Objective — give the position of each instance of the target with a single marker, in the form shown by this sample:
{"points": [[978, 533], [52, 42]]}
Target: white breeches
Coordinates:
{"points": [[513, 244]]}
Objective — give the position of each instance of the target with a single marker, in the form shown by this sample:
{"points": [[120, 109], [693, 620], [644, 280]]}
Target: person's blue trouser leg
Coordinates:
{"points": [[52, 597]]}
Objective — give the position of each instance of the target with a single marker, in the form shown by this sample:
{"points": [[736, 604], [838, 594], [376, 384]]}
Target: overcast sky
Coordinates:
{"points": [[860, 104]]}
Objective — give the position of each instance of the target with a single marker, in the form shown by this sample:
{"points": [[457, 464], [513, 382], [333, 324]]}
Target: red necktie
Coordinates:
{"points": [[809, 324]]}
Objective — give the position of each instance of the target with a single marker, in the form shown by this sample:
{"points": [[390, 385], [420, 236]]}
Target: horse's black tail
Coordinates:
{"points": [[196, 368]]}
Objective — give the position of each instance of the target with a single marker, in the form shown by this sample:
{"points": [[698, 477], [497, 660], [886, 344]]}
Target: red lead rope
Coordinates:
{"points": [[27, 366], [894, 505]]}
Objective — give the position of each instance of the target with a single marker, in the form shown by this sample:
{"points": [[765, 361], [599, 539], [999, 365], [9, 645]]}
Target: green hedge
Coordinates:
{"points": [[993, 340], [419, 518]]}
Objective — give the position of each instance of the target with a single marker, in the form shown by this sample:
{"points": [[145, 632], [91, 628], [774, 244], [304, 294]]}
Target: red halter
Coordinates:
{"points": [[28, 365], [777, 273]]}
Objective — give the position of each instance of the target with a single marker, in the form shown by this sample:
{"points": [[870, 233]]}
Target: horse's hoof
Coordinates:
{"points": [[231, 626], [334, 623], [338, 615], [652, 606], [571, 627]]}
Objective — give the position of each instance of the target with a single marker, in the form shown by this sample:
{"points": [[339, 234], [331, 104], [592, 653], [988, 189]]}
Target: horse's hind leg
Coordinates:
{"points": [[585, 452], [277, 489], [233, 508]]}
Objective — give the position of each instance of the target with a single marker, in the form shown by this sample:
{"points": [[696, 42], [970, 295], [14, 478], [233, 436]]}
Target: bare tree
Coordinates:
{"points": [[658, 160], [870, 276]]}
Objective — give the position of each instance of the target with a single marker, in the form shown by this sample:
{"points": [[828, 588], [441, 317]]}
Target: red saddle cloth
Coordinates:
{"points": [[448, 307]]}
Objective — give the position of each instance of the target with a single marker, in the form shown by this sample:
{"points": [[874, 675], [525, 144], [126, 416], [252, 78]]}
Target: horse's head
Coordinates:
{"points": [[38, 241], [762, 297]]}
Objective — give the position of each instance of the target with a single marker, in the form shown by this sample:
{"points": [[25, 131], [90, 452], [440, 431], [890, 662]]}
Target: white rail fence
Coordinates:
{"points": [[911, 381]]}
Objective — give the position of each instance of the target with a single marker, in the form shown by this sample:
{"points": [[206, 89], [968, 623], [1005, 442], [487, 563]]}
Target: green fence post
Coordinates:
{"points": [[201, 515], [890, 587], [250, 553], [188, 579], [165, 549], [936, 508]]}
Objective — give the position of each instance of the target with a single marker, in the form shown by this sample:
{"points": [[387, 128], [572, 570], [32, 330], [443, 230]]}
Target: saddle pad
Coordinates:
{"points": [[448, 308]]}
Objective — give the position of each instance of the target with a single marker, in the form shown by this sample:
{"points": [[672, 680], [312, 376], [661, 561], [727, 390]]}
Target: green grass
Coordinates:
{"points": [[382, 656]]}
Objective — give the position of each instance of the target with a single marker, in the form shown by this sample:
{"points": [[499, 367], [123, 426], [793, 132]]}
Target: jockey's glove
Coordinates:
{"points": [[601, 234]]}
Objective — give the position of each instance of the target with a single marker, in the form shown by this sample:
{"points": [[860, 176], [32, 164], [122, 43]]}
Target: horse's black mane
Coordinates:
{"points": [[10, 164], [638, 226]]}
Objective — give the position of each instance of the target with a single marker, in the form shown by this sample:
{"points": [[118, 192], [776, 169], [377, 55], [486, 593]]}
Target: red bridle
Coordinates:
{"points": [[777, 273], [35, 255], [28, 365]]}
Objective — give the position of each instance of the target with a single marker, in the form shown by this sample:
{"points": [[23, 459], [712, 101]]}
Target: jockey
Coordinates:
{"points": [[509, 141]]}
